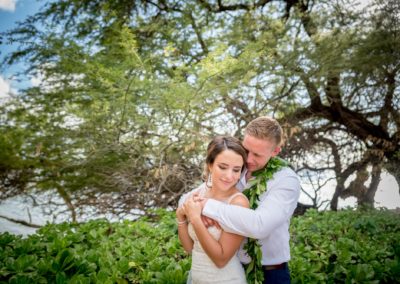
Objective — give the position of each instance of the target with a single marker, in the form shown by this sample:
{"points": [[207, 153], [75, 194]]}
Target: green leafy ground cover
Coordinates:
{"points": [[328, 247], [346, 247]]}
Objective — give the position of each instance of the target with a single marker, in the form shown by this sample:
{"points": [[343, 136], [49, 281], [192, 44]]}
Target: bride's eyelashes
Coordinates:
{"points": [[236, 170]]}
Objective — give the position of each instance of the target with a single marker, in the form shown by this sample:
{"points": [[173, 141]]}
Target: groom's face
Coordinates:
{"points": [[259, 152]]}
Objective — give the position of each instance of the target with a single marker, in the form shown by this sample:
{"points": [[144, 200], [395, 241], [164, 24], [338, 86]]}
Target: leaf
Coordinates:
{"points": [[24, 263]]}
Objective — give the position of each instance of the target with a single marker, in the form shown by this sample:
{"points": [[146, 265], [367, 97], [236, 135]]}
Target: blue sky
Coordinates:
{"points": [[11, 12], [14, 10]]}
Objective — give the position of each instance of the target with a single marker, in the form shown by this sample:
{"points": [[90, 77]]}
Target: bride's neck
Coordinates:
{"points": [[218, 194]]}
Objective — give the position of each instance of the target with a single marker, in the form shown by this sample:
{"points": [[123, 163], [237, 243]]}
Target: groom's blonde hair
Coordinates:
{"points": [[265, 128]]}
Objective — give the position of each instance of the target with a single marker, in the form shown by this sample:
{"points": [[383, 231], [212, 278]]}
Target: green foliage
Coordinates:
{"points": [[346, 247], [327, 247], [141, 251]]}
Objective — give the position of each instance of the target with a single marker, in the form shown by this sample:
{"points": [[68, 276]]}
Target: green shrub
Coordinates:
{"points": [[346, 247], [327, 247], [141, 251]]}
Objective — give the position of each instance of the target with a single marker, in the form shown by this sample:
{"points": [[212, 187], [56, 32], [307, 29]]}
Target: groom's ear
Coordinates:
{"points": [[276, 151]]}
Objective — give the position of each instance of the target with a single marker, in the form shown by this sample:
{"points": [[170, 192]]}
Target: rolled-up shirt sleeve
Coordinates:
{"points": [[276, 207]]}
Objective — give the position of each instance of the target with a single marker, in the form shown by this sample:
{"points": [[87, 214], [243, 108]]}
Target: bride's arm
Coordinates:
{"points": [[183, 233], [221, 251]]}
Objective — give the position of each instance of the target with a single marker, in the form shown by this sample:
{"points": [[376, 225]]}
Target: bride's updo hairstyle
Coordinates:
{"points": [[219, 144]]}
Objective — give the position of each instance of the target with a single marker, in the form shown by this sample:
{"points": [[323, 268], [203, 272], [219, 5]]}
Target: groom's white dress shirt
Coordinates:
{"points": [[269, 223]]}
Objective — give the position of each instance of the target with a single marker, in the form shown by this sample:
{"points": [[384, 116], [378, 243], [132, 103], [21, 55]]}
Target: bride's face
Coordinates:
{"points": [[226, 169]]}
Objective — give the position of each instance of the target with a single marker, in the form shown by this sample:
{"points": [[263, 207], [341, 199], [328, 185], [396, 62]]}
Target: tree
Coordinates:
{"points": [[353, 94], [132, 90]]}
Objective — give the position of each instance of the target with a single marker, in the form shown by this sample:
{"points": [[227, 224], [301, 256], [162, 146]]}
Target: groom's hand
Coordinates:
{"points": [[208, 222]]}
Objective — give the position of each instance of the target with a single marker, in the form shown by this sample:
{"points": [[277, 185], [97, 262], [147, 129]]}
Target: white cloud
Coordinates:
{"points": [[6, 91], [49, 83], [8, 5], [4, 88], [36, 81]]}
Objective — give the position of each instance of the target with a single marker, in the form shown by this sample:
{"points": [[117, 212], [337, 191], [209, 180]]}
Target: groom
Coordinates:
{"points": [[269, 222]]}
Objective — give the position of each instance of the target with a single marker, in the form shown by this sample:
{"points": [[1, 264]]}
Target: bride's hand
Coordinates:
{"points": [[180, 214], [192, 207]]}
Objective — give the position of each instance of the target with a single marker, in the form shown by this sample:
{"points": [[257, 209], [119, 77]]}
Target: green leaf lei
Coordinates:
{"points": [[258, 185]]}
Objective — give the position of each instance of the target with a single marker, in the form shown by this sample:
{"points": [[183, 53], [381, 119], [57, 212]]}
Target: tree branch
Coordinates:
{"points": [[22, 222], [223, 8], [198, 34]]}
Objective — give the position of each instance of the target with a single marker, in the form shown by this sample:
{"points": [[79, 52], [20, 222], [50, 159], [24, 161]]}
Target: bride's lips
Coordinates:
{"points": [[226, 182]]}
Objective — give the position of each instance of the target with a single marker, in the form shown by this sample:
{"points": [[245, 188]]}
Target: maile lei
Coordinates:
{"points": [[258, 185]]}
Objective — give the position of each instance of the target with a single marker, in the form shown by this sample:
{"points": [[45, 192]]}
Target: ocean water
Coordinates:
{"points": [[23, 208], [15, 229]]}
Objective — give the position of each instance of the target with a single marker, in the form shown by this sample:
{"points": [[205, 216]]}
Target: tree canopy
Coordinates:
{"points": [[131, 92]]}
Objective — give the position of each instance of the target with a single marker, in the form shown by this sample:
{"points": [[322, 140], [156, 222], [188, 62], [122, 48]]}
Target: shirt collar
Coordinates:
{"points": [[242, 183]]}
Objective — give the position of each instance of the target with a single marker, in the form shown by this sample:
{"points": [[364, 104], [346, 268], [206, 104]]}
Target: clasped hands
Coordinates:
{"points": [[192, 209]]}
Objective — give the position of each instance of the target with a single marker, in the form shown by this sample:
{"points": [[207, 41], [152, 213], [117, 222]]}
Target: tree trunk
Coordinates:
{"points": [[367, 198], [335, 197], [67, 201]]}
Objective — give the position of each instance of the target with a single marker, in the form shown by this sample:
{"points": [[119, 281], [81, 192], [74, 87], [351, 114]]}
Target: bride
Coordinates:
{"points": [[214, 251]]}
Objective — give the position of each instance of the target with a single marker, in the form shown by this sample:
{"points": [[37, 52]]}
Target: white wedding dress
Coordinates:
{"points": [[203, 268]]}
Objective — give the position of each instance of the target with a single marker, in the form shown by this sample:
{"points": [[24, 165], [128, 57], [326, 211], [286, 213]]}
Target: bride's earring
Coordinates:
{"points": [[209, 181]]}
